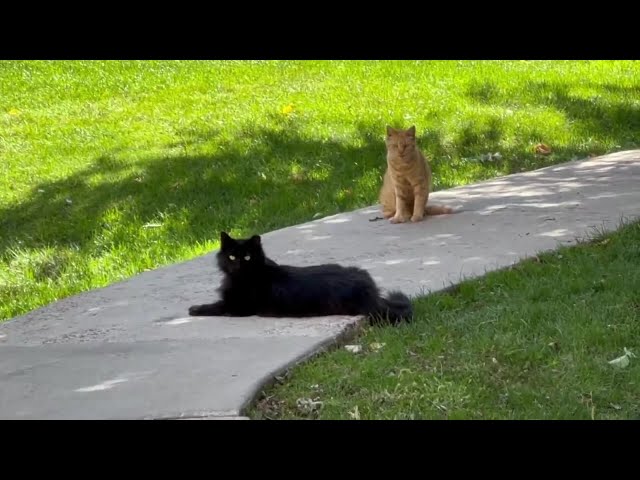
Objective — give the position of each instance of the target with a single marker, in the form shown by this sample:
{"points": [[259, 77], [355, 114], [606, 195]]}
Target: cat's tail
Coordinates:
{"points": [[438, 210], [396, 307]]}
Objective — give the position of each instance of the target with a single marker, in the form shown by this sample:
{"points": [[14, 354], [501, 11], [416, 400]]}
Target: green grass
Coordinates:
{"points": [[109, 168], [530, 342]]}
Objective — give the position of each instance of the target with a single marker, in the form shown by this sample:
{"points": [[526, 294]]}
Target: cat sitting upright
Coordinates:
{"points": [[256, 285], [407, 180]]}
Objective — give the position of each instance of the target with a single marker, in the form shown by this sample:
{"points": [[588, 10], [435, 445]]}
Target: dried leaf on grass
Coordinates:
{"points": [[542, 149]]}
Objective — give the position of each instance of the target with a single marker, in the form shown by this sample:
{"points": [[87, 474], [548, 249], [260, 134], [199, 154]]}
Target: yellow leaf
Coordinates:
{"points": [[287, 109], [14, 112]]}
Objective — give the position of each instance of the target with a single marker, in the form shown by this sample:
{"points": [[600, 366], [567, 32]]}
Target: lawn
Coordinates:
{"points": [[530, 342], [110, 168]]}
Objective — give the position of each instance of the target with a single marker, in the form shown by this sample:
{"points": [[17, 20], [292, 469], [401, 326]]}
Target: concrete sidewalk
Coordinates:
{"points": [[130, 351]]}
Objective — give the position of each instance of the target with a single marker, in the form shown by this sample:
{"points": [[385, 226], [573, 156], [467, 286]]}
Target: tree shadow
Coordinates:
{"points": [[607, 116], [281, 178], [596, 115], [605, 113]]}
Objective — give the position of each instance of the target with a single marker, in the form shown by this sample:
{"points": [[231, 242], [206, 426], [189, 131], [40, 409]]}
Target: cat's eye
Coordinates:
{"points": [[247, 257], [232, 257]]}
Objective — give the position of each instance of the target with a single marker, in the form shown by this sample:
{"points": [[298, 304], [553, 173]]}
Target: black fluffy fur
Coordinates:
{"points": [[259, 286]]}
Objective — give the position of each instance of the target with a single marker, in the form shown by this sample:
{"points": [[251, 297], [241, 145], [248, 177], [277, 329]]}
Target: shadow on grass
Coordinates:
{"points": [[609, 114], [268, 179]]}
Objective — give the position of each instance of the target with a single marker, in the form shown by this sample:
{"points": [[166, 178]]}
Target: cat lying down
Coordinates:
{"points": [[253, 284]]}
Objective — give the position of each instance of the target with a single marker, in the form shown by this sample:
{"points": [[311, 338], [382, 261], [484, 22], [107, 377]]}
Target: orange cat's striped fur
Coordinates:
{"points": [[407, 181]]}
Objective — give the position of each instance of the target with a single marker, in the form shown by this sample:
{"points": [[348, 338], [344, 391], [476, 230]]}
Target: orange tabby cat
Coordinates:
{"points": [[407, 181]]}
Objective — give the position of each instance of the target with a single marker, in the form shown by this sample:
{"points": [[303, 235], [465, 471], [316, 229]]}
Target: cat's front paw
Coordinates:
{"points": [[195, 310], [399, 218], [417, 218]]}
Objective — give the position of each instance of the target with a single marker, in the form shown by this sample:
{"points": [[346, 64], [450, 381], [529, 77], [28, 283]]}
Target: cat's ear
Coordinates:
{"points": [[255, 240], [225, 240], [390, 130], [411, 131]]}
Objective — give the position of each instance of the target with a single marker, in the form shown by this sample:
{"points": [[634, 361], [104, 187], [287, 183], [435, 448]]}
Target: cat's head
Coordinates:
{"points": [[401, 143], [240, 255]]}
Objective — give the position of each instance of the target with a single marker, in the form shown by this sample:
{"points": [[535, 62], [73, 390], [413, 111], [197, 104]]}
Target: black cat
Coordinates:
{"points": [[256, 285]]}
